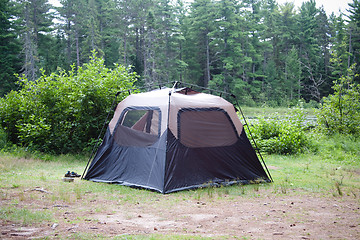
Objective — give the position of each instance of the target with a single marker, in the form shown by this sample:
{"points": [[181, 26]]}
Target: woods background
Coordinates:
{"points": [[259, 50]]}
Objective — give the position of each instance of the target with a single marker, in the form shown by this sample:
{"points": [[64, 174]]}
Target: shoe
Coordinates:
{"points": [[68, 174], [74, 174]]}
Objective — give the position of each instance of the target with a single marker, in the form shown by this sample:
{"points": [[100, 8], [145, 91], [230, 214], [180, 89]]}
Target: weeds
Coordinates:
{"points": [[338, 188]]}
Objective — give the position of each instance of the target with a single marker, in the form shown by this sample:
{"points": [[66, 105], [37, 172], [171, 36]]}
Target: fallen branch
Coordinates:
{"points": [[41, 190]]}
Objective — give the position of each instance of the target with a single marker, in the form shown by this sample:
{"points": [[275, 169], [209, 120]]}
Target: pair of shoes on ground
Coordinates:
{"points": [[71, 174]]}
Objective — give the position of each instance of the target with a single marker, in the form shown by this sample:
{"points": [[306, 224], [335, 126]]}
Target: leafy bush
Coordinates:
{"points": [[340, 112], [284, 135], [62, 112], [3, 139]]}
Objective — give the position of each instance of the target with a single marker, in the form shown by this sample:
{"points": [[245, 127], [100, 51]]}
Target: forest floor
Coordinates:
{"points": [[260, 213]]}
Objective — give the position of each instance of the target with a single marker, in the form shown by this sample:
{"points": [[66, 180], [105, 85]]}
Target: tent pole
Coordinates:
{"points": [[100, 134], [252, 138]]}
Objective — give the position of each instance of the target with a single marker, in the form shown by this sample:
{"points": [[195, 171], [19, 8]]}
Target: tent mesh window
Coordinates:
{"points": [[205, 127], [138, 127]]}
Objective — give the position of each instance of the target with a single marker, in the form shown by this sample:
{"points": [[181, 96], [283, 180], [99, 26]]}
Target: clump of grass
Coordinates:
{"points": [[24, 216], [283, 187], [22, 196], [210, 191], [78, 192], [338, 188], [242, 189], [64, 194]]}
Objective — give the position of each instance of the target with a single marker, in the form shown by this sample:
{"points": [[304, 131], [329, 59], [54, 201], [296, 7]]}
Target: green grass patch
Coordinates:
{"points": [[25, 216], [274, 112]]}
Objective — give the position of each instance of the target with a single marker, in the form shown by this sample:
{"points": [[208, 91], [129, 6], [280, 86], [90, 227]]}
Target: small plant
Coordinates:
{"points": [[43, 178], [340, 111], [283, 187], [3, 139], [242, 189], [78, 192], [286, 135], [338, 188]]}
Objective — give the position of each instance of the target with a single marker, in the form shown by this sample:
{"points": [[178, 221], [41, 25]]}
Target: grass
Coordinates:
{"points": [[279, 111], [25, 216], [333, 170]]}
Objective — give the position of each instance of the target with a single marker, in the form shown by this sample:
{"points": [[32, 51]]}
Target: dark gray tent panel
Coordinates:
{"points": [[169, 140]]}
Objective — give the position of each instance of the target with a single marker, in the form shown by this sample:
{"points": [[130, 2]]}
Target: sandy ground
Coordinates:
{"points": [[266, 216]]}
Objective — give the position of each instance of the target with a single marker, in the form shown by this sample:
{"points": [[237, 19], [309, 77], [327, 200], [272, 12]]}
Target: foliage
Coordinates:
{"points": [[340, 112], [35, 23], [62, 112], [261, 51], [282, 135], [9, 48], [3, 139]]}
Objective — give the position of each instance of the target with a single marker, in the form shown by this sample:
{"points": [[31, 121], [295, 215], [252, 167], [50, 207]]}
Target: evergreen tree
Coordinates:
{"points": [[292, 75], [73, 13], [36, 22], [252, 48], [310, 51], [201, 20], [227, 64], [9, 48], [354, 35], [340, 55]]}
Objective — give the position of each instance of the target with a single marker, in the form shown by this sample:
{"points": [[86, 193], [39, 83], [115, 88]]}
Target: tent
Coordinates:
{"points": [[175, 139]]}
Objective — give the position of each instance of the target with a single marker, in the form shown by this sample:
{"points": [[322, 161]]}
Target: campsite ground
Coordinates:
{"points": [[308, 200]]}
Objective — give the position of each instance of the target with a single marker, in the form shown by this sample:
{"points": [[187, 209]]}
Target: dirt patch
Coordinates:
{"points": [[266, 216], [273, 167]]}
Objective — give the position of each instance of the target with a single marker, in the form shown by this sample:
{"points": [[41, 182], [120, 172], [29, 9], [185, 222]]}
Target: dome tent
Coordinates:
{"points": [[175, 139]]}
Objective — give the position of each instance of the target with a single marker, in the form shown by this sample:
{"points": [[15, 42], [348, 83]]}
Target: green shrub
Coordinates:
{"points": [[340, 112], [285, 135], [3, 139], [62, 112]]}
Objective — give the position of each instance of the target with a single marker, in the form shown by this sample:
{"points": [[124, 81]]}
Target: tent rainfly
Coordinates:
{"points": [[169, 140]]}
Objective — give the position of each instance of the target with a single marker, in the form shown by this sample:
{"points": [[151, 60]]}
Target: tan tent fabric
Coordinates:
{"points": [[178, 101]]}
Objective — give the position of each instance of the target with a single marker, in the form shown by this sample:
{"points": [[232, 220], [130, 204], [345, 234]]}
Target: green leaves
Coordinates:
{"points": [[340, 112], [285, 135], [62, 112]]}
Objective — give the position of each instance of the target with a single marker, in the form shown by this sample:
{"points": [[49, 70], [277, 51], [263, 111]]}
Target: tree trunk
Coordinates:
{"points": [[207, 68], [77, 49]]}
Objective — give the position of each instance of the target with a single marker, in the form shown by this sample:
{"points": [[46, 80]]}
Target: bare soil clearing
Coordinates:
{"points": [[261, 215]]}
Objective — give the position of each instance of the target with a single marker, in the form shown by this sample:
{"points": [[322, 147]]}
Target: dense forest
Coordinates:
{"points": [[259, 50]]}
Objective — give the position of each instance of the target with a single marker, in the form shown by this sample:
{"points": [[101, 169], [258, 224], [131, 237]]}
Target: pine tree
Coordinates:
{"points": [[201, 20], [310, 51], [340, 55], [9, 48], [292, 75], [74, 15], [36, 22], [354, 35]]}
